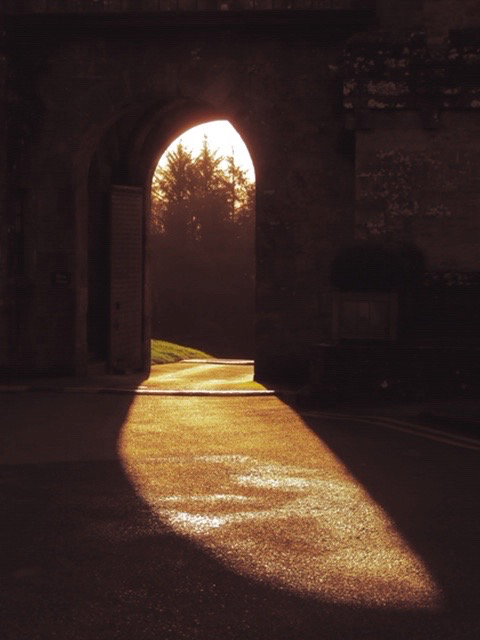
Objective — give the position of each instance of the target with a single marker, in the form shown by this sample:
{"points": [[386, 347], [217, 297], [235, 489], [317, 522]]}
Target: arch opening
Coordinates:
{"points": [[202, 229]]}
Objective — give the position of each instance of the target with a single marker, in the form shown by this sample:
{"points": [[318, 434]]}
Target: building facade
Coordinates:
{"points": [[363, 122]]}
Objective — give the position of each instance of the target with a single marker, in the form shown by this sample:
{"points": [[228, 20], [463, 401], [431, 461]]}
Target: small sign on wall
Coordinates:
{"points": [[61, 279], [365, 316]]}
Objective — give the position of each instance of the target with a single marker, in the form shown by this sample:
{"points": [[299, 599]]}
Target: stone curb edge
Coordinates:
{"points": [[136, 391]]}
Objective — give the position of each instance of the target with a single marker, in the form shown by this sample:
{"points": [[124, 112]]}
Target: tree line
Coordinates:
{"points": [[203, 210]]}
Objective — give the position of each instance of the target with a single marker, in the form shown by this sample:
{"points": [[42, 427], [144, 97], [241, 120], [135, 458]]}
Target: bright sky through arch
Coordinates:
{"points": [[221, 137]]}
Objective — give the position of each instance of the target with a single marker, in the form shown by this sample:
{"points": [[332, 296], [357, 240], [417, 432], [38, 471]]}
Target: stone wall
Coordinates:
{"points": [[395, 162], [443, 15], [280, 90], [4, 297], [423, 188], [417, 116], [415, 111], [153, 6]]}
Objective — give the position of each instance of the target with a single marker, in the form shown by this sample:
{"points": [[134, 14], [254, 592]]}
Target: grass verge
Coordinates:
{"points": [[164, 352]]}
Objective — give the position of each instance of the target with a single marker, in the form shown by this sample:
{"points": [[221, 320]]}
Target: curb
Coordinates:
{"points": [[235, 362], [137, 391]]}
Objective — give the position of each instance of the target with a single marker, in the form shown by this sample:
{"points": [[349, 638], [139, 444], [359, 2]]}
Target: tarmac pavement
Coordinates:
{"points": [[130, 515]]}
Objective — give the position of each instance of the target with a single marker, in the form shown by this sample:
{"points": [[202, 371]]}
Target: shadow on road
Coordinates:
{"points": [[430, 491], [85, 558]]}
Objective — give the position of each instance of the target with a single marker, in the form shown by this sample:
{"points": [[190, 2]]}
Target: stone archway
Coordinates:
{"points": [[118, 317], [99, 100]]}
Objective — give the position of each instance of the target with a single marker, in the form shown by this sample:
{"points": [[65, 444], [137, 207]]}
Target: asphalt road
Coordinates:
{"points": [[161, 517]]}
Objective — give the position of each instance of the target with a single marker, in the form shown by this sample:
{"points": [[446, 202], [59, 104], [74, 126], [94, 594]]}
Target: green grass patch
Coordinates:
{"points": [[164, 352]]}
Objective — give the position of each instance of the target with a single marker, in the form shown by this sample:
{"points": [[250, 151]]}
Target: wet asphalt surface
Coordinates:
{"points": [[194, 517]]}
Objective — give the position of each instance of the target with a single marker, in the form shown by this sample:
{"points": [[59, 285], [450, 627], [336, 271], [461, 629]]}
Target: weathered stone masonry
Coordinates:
{"points": [[417, 120], [414, 110], [364, 133]]}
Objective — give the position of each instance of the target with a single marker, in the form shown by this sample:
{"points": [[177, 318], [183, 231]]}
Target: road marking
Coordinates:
{"points": [[401, 423], [406, 427]]}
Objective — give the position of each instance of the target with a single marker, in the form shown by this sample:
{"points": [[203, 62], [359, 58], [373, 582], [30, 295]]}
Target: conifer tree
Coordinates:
{"points": [[203, 267]]}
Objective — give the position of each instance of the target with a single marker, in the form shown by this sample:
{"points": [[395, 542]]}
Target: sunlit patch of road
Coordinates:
{"points": [[270, 500], [191, 375]]}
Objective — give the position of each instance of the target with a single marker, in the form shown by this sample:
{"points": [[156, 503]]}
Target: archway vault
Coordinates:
{"points": [[119, 193]]}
